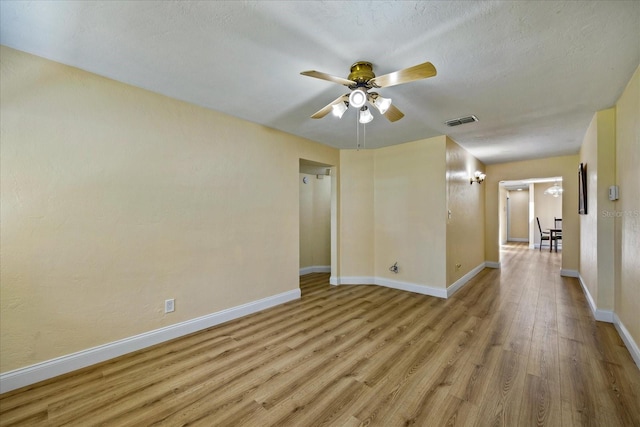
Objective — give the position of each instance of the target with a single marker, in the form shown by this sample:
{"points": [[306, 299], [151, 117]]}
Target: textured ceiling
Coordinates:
{"points": [[533, 72]]}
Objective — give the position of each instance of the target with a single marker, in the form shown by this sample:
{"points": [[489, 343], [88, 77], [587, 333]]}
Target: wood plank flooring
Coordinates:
{"points": [[515, 347]]}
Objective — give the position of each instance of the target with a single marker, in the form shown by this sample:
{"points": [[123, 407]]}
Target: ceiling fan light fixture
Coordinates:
{"points": [[365, 115], [339, 109], [357, 98], [382, 104]]}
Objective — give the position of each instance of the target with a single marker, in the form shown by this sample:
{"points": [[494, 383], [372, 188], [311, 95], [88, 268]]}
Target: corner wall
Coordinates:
{"points": [[465, 225], [596, 228], [394, 203], [356, 215], [627, 216], [410, 209]]}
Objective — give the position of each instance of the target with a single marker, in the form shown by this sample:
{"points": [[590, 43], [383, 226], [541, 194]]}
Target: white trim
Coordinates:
{"points": [[604, 315], [356, 280], [518, 239], [412, 287], [492, 264], [458, 284], [587, 294], [598, 314], [408, 286], [393, 284], [628, 339], [315, 269], [569, 273], [611, 317], [61, 365]]}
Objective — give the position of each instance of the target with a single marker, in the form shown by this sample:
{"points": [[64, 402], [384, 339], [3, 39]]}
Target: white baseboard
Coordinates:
{"points": [[412, 287], [393, 284], [518, 239], [598, 314], [569, 273], [632, 346], [61, 365], [315, 269], [611, 317], [356, 280], [458, 284], [492, 264]]}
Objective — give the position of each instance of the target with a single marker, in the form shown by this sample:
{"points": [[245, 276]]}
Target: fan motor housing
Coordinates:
{"points": [[361, 72]]}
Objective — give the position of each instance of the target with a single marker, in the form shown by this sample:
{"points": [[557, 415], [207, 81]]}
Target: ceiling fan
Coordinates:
{"points": [[361, 80]]}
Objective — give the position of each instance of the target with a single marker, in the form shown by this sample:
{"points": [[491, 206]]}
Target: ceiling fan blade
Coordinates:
{"points": [[417, 72], [329, 77], [327, 108], [393, 114]]}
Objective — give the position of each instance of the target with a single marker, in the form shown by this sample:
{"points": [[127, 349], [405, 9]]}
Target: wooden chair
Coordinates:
{"points": [[544, 235], [557, 222]]}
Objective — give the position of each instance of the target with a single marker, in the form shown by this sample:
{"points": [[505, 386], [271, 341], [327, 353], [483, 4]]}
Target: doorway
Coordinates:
{"points": [[521, 203], [317, 217]]}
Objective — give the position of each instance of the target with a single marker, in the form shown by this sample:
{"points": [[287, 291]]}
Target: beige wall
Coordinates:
{"points": [[465, 227], [564, 166], [315, 220], [627, 209], [589, 223], [394, 203], [356, 229], [597, 230], [546, 208], [410, 213], [393, 209], [114, 199], [518, 216]]}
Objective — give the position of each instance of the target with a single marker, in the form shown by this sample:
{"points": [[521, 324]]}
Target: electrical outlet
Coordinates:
{"points": [[169, 305]]}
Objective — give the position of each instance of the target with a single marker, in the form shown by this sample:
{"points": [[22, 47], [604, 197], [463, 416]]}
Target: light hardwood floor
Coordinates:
{"points": [[515, 347]]}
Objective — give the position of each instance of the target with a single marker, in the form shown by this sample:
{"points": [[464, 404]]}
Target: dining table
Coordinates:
{"points": [[554, 233]]}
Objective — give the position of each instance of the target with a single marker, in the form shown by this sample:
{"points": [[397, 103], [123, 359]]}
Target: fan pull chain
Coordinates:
{"points": [[357, 131], [364, 136], [364, 133]]}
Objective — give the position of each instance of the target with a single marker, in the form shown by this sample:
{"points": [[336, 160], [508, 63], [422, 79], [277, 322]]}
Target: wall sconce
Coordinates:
{"points": [[477, 177]]}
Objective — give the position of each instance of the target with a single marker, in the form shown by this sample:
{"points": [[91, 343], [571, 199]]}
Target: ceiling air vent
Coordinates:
{"points": [[461, 121]]}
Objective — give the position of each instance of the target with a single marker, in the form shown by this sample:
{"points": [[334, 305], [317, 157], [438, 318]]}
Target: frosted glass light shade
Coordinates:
{"points": [[382, 104], [365, 115], [357, 98], [339, 109]]}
